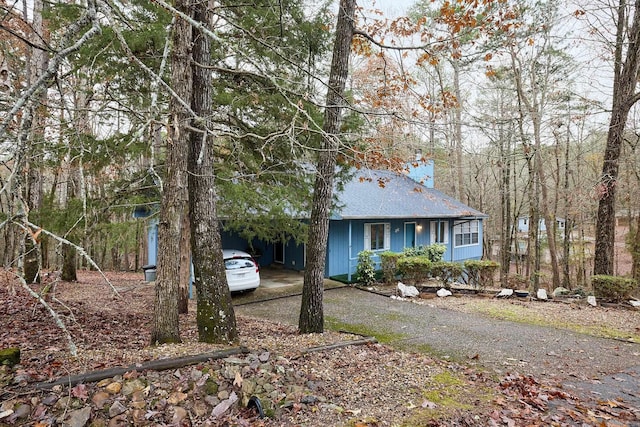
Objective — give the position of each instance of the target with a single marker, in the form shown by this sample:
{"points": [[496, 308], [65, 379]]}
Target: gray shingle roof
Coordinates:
{"points": [[385, 194]]}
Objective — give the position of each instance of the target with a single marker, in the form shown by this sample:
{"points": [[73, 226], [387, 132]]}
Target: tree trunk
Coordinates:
{"points": [[69, 271], [214, 314], [311, 311], [624, 97], [549, 219], [37, 67], [185, 263], [634, 247], [568, 223], [165, 328], [457, 131]]}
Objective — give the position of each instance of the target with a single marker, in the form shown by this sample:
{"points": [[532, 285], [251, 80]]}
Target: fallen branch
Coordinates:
{"points": [[155, 365], [367, 340]]}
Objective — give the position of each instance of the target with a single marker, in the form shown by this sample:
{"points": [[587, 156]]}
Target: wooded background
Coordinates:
{"points": [[512, 100]]}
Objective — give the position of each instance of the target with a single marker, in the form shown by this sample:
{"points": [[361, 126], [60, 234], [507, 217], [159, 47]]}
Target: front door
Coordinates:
{"points": [[278, 253], [410, 235]]}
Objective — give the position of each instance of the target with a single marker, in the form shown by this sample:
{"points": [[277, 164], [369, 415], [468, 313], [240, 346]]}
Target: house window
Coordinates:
{"points": [[440, 232], [377, 237], [466, 233]]}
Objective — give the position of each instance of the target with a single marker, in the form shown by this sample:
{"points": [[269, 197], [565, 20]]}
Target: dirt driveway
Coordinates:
{"points": [[594, 368]]}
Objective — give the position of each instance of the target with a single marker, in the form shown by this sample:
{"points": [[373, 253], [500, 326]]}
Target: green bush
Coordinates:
{"points": [[414, 268], [365, 271], [433, 252], [480, 272], [613, 288], [389, 265], [446, 271]]}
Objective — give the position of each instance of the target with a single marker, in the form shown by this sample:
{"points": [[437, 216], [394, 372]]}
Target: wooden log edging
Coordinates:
{"points": [[155, 365], [341, 344], [175, 363]]}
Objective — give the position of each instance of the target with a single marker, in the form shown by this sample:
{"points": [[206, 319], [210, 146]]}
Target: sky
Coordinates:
{"points": [[391, 8]]}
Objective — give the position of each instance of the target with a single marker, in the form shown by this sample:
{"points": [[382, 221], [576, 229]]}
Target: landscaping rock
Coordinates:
{"points": [[116, 409], [592, 301], [21, 411], [100, 398], [78, 418], [407, 291], [179, 415], [505, 293], [132, 386], [443, 293], [224, 406], [560, 291], [542, 294]]}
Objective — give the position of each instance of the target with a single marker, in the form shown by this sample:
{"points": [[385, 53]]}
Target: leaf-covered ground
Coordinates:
{"points": [[353, 385]]}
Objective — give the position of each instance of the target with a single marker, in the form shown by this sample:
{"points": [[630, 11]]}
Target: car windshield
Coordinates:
{"points": [[235, 263]]}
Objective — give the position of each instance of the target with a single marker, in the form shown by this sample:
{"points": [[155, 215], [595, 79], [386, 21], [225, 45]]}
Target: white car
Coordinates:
{"points": [[243, 272]]}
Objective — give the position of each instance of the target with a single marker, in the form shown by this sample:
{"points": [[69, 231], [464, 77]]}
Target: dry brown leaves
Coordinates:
{"points": [[365, 385]]}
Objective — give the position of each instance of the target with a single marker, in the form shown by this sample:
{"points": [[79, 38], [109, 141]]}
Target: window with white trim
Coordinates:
{"points": [[439, 232], [377, 236], [466, 233]]}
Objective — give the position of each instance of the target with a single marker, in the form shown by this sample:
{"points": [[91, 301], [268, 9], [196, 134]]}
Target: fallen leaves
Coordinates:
{"points": [[367, 386]]}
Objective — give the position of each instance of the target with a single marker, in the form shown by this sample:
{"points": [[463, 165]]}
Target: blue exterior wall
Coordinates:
{"points": [[422, 172], [294, 256], [346, 240], [263, 251], [152, 242]]}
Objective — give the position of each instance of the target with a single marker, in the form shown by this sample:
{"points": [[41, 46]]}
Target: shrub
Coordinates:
{"points": [[365, 271], [436, 251], [447, 271], [414, 268], [480, 272], [433, 252], [613, 288], [389, 264]]}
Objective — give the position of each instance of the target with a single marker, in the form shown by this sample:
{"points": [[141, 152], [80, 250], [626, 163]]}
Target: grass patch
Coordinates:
{"points": [[429, 350], [448, 394], [384, 337], [344, 278], [395, 317], [522, 315]]}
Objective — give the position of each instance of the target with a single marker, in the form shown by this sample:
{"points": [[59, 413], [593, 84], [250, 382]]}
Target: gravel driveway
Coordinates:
{"points": [[593, 367]]}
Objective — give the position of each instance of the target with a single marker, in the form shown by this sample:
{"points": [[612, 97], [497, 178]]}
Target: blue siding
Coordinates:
{"points": [[338, 257], [342, 259], [422, 172], [346, 240], [231, 240], [470, 252], [294, 256], [152, 241]]}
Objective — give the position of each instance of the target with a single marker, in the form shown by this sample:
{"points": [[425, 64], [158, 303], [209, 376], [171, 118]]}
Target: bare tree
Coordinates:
{"points": [[174, 190], [625, 96], [215, 315]]}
